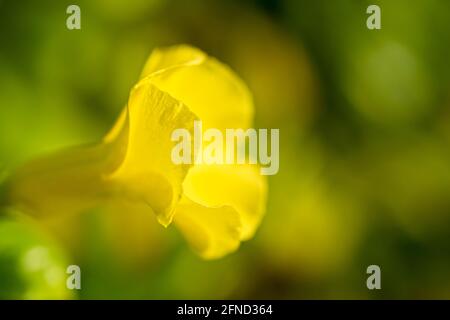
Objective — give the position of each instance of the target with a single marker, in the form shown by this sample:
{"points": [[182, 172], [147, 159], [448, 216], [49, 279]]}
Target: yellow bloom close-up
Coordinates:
{"points": [[224, 150], [215, 206]]}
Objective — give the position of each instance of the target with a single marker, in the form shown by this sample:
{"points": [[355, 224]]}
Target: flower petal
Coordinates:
{"points": [[238, 186], [211, 232], [209, 88], [162, 59], [147, 172]]}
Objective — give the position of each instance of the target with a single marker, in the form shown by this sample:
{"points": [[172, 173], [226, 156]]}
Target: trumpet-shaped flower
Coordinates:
{"points": [[214, 206]]}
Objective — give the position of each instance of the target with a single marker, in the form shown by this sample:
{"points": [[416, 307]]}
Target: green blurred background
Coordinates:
{"points": [[365, 146]]}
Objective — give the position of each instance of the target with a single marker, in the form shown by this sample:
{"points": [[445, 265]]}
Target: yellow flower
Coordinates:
{"points": [[214, 206]]}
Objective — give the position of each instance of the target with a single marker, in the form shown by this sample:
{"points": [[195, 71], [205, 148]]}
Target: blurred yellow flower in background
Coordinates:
{"points": [[214, 206]]}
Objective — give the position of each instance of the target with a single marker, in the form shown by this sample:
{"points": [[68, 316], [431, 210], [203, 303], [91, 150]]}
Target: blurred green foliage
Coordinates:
{"points": [[365, 135], [31, 265]]}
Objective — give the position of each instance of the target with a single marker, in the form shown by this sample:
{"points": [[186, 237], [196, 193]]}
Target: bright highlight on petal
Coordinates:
{"points": [[147, 172]]}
